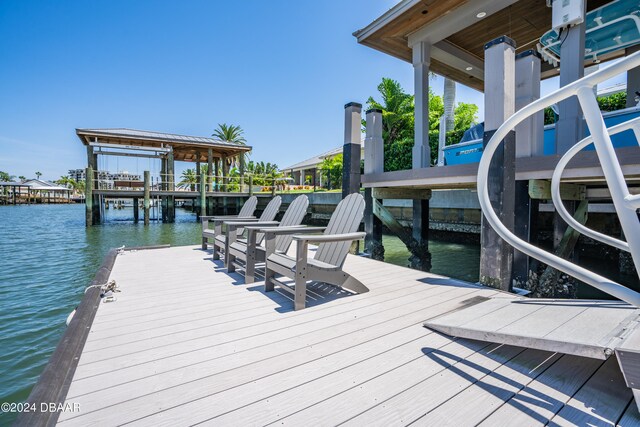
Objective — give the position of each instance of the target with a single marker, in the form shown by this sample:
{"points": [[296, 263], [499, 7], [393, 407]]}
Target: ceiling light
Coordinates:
{"points": [[469, 68], [481, 14]]}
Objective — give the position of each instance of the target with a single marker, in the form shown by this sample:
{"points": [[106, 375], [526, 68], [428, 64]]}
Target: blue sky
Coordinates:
{"points": [[280, 69]]}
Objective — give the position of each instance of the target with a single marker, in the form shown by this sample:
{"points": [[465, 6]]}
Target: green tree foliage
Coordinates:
{"points": [[38, 175], [613, 102], [263, 173], [331, 170], [397, 110], [190, 178], [398, 123], [230, 133], [5, 176]]}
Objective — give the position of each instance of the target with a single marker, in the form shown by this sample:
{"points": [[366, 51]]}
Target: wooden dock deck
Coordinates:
{"points": [[186, 343]]}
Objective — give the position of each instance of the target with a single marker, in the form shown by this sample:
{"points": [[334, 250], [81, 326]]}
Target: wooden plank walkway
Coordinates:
{"points": [[186, 343]]}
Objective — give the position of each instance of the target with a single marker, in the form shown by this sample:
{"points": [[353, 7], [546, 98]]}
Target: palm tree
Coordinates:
{"points": [[38, 175], [449, 103], [397, 111], [4, 176], [22, 178], [66, 181], [190, 178], [233, 134]]}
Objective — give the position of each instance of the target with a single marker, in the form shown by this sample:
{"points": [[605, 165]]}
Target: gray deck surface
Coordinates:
{"points": [[186, 343]]}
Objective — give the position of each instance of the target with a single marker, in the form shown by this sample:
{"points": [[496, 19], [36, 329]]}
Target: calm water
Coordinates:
{"points": [[49, 257]]}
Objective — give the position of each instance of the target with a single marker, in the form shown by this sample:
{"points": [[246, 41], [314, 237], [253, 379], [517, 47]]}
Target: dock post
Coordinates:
{"points": [[225, 175], [373, 228], [203, 196], [496, 255], [351, 149], [147, 196], [373, 163], [216, 174], [88, 196], [529, 143], [171, 200], [421, 63], [136, 210], [164, 203]]}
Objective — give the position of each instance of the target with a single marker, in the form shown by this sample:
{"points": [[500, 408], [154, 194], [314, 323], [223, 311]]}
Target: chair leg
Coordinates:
{"points": [[250, 268], [216, 254], [301, 292], [231, 267], [268, 275], [204, 243]]}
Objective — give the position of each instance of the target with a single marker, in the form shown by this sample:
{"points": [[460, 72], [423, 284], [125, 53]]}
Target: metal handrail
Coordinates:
{"points": [[557, 177], [624, 203]]}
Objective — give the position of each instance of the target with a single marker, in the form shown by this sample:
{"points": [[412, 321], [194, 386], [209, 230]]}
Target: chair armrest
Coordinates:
{"points": [[322, 238], [241, 222], [291, 230], [224, 217]]}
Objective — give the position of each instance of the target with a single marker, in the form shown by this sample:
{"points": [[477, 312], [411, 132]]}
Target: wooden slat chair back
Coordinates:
{"points": [[251, 252], [326, 265], [222, 241], [345, 219], [249, 207], [293, 216], [245, 212]]}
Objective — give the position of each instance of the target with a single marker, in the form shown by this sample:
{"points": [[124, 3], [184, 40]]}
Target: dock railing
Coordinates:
{"points": [[626, 204], [213, 183]]}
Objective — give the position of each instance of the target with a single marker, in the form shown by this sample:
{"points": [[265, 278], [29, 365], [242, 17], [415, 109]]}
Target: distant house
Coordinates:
{"points": [[35, 190], [307, 172]]}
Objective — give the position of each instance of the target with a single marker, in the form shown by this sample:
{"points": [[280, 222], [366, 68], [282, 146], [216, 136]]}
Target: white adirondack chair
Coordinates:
{"points": [[250, 252], [246, 213], [326, 264], [235, 228]]}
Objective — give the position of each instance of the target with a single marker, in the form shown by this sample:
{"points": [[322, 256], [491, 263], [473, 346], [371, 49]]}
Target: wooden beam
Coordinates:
{"points": [[540, 189], [401, 193]]}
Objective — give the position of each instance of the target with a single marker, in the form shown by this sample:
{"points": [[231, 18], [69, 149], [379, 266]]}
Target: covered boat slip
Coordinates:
{"points": [[187, 343]]}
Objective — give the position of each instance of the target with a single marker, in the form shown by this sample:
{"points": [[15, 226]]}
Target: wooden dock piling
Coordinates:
{"points": [[136, 209], [147, 196], [88, 196], [203, 195]]}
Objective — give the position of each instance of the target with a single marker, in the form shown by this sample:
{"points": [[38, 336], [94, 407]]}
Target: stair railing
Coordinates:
{"points": [[626, 205]]}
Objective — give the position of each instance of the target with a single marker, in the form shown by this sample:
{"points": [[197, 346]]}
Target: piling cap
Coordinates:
{"points": [[374, 110], [530, 52], [353, 104], [499, 40]]}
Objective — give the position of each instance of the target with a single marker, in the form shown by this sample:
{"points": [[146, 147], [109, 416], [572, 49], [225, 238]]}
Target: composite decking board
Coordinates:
{"points": [[546, 395], [256, 288], [158, 317], [393, 348], [166, 329], [474, 404], [233, 369], [631, 416], [600, 402], [286, 325], [369, 367], [345, 405]]}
